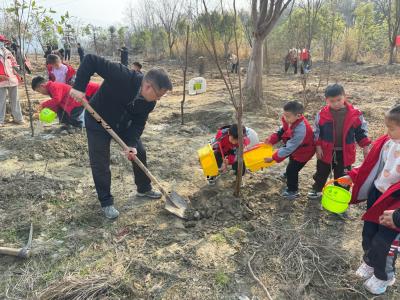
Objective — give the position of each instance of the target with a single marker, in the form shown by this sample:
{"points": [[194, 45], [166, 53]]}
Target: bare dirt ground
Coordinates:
{"points": [[296, 249]]}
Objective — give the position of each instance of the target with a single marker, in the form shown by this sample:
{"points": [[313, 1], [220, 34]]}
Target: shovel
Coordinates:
{"points": [[174, 203], [24, 252]]}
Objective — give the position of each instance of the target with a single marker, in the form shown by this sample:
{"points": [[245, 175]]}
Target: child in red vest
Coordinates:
{"points": [[69, 111], [338, 126], [225, 145], [58, 71], [377, 181], [298, 139]]}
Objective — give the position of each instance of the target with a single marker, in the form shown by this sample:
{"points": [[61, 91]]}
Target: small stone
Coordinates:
{"points": [[37, 156], [196, 215], [64, 229], [179, 224]]}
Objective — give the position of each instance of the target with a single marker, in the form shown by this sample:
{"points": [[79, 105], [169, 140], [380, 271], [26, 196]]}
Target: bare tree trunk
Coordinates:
{"points": [[239, 115], [20, 60], [184, 72], [266, 57], [253, 83], [392, 54]]}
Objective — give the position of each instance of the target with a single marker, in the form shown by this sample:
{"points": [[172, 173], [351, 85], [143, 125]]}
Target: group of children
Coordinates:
{"points": [[338, 127], [61, 77]]}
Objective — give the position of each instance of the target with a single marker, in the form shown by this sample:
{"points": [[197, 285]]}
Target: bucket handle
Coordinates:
{"points": [[333, 181]]}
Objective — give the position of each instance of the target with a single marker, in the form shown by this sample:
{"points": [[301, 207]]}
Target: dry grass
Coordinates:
{"points": [[301, 261], [76, 288]]}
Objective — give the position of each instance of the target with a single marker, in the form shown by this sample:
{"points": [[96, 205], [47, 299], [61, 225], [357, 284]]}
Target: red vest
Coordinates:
{"points": [[305, 151]]}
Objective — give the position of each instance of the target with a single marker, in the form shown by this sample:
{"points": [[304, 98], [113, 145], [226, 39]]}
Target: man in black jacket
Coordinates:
{"points": [[81, 53], [124, 100]]}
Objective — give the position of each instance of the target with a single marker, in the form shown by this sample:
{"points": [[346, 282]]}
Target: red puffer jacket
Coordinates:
{"points": [[354, 130], [365, 175], [60, 97], [221, 143]]}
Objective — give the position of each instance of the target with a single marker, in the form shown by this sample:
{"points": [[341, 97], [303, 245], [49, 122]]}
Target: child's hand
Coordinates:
{"points": [[225, 164], [131, 154], [345, 180], [268, 160], [387, 219], [319, 152]]}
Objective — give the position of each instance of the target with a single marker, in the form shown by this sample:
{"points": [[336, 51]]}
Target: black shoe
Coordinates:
{"points": [[290, 194], [313, 195], [212, 180]]}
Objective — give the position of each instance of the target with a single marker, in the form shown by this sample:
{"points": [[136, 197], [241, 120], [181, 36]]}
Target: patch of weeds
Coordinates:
{"points": [[55, 231], [55, 201], [218, 238], [221, 278], [232, 230], [9, 235], [84, 272]]}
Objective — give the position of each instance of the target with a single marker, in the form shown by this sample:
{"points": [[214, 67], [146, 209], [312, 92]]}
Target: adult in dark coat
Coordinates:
{"points": [[125, 100]]}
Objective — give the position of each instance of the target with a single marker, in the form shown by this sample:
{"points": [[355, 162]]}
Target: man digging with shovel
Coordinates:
{"points": [[124, 101]]}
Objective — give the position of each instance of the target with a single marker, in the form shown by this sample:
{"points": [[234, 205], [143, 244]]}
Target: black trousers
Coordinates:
{"points": [[324, 170], [81, 57], [218, 157], [75, 119], [376, 243], [67, 55], [99, 154], [234, 68], [292, 174]]}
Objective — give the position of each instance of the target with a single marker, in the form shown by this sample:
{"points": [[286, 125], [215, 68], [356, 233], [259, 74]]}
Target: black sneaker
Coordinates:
{"points": [[282, 177], [290, 194], [61, 129], [313, 195], [212, 180]]}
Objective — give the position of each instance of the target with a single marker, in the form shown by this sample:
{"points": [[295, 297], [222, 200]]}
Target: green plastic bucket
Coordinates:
{"points": [[47, 115], [335, 198]]}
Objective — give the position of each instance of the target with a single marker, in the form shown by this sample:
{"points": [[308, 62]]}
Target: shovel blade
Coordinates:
{"points": [[176, 204]]}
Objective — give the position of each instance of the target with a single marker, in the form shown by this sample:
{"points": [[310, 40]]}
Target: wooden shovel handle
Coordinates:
{"points": [[13, 251], [124, 146]]}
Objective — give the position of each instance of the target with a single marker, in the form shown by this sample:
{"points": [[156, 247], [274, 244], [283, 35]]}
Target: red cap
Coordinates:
{"points": [[3, 38]]}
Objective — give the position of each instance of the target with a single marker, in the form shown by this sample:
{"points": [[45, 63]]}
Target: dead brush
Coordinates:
{"points": [[302, 263], [93, 287]]}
